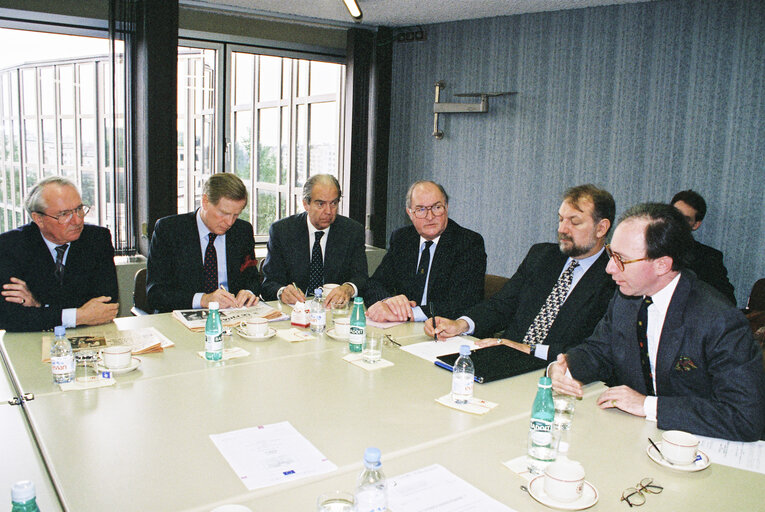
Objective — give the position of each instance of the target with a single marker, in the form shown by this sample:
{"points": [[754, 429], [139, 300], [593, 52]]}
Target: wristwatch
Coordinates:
{"points": [[532, 349]]}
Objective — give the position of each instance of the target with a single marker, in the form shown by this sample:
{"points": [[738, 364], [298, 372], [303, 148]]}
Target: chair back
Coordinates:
{"points": [[140, 305], [492, 284], [756, 300]]}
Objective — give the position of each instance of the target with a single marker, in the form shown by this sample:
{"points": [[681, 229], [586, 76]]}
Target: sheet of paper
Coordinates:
{"points": [[430, 350], [436, 488], [229, 353], [270, 454], [382, 325], [141, 339], [473, 406], [748, 456], [294, 334]]}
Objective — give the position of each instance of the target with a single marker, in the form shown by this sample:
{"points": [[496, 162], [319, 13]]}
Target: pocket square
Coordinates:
{"points": [[249, 261], [685, 364]]}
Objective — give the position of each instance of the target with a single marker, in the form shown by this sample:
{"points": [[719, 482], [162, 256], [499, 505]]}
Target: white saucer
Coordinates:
{"points": [[588, 498], [702, 460], [270, 333], [333, 334], [134, 364]]}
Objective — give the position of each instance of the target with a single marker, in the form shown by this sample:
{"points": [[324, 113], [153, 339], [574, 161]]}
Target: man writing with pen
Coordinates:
{"points": [[434, 266], [207, 255]]}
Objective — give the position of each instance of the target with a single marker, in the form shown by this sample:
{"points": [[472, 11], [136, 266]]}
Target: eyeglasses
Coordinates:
{"points": [[618, 259], [422, 211], [634, 495], [388, 340], [67, 215]]}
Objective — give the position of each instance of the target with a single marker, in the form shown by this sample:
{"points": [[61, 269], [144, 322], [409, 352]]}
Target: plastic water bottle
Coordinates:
{"points": [[213, 334], [61, 357], [371, 487], [463, 376], [318, 313], [358, 326], [541, 445], [23, 497]]}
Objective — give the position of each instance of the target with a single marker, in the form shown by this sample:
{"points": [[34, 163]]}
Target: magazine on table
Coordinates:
{"points": [[195, 319]]}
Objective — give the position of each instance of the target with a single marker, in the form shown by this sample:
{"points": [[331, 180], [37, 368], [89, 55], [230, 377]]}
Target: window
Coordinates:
{"points": [[283, 122]]}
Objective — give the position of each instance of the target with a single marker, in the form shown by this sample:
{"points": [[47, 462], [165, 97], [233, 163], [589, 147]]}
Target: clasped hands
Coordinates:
{"points": [[338, 295], [225, 299], [392, 309]]}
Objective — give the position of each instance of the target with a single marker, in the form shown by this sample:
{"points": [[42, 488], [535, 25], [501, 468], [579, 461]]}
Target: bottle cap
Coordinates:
{"points": [[59, 330], [372, 457], [358, 300], [464, 350], [545, 382], [214, 305], [317, 293], [23, 491]]}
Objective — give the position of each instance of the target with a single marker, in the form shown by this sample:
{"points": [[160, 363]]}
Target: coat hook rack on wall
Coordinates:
{"points": [[461, 108]]}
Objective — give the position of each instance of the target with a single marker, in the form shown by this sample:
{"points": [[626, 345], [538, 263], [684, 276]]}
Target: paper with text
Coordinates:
{"points": [[748, 456], [430, 350]]}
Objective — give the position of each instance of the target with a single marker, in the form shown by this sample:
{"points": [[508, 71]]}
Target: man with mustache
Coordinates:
{"points": [[56, 270], [559, 292]]}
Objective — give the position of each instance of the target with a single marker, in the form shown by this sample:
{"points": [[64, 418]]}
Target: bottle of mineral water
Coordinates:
{"points": [[541, 445], [61, 357], [23, 497], [371, 488], [213, 334], [318, 313], [463, 375], [358, 326]]}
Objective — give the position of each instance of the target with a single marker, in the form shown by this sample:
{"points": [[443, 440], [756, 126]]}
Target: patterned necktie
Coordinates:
{"points": [[422, 271], [546, 316], [316, 278], [59, 273], [642, 326], [210, 266]]}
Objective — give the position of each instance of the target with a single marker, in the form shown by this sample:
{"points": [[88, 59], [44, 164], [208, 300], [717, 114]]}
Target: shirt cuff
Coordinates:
{"points": [[196, 302], [649, 407], [419, 316], [471, 325], [69, 317], [541, 351]]}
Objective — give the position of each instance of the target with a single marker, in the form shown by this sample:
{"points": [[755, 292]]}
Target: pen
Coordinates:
{"points": [[433, 316], [296, 287]]}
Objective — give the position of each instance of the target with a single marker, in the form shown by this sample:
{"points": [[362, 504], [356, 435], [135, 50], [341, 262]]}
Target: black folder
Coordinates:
{"points": [[496, 362]]}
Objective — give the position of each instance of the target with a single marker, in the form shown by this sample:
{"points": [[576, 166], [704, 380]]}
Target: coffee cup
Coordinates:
{"points": [[257, 326], [328, 288], [564, 480], [117, 356], [343, 327], [679, 447]]}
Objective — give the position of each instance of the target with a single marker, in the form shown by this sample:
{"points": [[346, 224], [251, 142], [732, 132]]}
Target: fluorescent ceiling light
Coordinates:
{"points": [[353, 9]]}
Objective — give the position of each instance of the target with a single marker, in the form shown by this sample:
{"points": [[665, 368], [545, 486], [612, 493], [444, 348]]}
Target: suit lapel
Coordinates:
{"points": [[300, 254], [332, 256], [191, 245], [582, 292], [232, 265], [672, 334]]}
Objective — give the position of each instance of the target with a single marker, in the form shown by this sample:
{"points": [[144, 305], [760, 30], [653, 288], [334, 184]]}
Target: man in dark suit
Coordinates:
{"points": [[559, 292], [205, 256], [705, 261], [435, 261], [317, 247], [678, 354], [56, 270]]}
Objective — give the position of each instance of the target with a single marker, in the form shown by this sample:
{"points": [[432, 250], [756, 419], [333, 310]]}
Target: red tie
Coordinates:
{"points": [[210, 266]]}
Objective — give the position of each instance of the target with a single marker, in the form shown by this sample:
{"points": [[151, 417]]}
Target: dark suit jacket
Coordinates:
{"points": [[516, 305], [289, 258], [709, 374], [707, 263], [174, 269], [456, 276], [89, 273]]}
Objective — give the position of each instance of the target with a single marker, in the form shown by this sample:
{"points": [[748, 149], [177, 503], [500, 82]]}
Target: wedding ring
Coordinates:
{"points": [[613, 403], [23, 301]]}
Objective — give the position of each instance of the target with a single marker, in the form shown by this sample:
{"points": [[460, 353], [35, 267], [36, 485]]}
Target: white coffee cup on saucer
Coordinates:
{"points": [[343, 327], [328, 288], [257, 326], [117, 356], [679, 447], [564, 480]]}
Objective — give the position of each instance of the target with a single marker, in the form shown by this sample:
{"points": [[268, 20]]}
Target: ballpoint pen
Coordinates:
{"points": [[433, 316]]}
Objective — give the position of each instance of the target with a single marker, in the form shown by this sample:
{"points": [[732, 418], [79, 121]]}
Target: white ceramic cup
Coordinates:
{"points": [[117, 356], [328, 288], [679, 447], [257, 326], [343, 327], [564, 480]]}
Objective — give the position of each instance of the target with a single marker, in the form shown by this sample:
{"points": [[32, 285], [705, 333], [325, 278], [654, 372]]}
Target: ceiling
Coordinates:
{"points": [[395, 13]]}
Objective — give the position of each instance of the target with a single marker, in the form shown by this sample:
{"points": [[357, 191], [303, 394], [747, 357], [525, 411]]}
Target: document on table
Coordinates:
{"points": [[270, 454], [748, 456], [430, 350], [436, 488]]}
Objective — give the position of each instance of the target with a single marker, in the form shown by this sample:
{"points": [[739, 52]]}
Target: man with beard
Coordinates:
{"points": [[560, 291]]}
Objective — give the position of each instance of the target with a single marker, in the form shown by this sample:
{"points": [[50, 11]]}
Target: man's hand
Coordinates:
{"points": [[624, 398], [245, 298], [339, 295], [17, 291], [392, 309], [222, 297], [561, 382], [290, 295], [97, 311], [445, 328], [489, 342]]}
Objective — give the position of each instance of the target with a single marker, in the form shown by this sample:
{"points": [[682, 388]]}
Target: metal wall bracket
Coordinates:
{"points": [[18, 400], [461, 108]]}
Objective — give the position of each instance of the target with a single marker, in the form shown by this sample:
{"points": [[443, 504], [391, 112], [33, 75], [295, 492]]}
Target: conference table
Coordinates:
{"points": [[144, 443]]}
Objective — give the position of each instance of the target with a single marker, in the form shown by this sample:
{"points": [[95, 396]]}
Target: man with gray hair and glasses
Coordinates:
{"points": [[56, 270]]}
